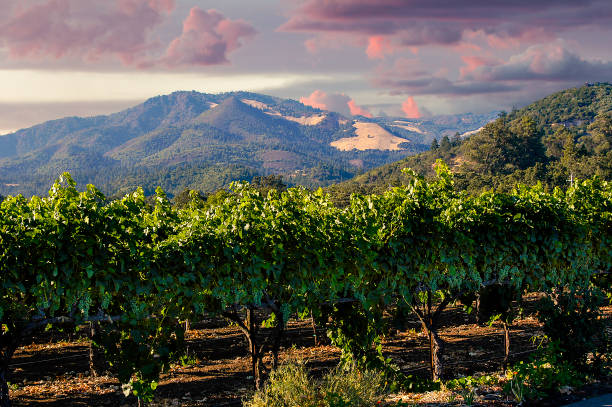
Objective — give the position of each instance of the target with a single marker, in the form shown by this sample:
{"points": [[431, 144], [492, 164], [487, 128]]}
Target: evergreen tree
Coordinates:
{"points": [[527, 148], [490, 150], [268, 182], [185, 197], [601, 134], [445, 144], [434, 144]]}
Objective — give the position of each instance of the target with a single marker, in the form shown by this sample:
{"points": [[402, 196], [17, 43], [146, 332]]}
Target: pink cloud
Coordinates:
{"points": [[409, 76], [336, 102], [332, 41], [62, 28], [132, 6], [410, 108], [122, 30], [312, 45], [535, 69], [378, 47], [474, 62], [464, 47], [357, 110], [206, 39], [162, 5], [317, 99], [409, 23]]}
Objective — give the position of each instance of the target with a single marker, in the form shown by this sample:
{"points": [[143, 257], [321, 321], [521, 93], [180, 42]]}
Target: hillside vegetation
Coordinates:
{"points": [[562, 137], [205, 141]]}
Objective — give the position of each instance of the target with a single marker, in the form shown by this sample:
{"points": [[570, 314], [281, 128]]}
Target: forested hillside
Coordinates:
{"points": [[562, 137], [205, 141]]}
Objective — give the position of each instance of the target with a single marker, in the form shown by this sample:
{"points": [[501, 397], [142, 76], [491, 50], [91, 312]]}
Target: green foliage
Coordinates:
{"points": [[290, 386], [471, 381], [267, 183], [573, 321], [410, 383], [545, 372], [502, 147], [467, 386], [188, 197], [566, 135], [287, 386], [353, 332], [351, 386], [572, 107], [590, 200], [140, 269], [139, 349], [434, 144]]}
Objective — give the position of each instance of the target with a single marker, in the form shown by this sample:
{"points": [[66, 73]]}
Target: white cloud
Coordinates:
{"points": [[22, 86]]}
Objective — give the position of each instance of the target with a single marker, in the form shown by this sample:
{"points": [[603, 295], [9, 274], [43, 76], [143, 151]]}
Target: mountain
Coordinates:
{"points": [[204, 141], [564, 136]]}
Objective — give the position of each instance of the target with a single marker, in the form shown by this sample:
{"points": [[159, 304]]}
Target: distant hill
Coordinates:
{"points": [[204, 141], [564, 136]]}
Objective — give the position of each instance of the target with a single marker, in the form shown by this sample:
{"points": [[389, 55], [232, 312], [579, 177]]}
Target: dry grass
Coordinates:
{"points": [[370, 136]]}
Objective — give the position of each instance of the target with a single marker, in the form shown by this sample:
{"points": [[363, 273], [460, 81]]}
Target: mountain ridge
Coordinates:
{"points": [[169, 138], [562, 136]]}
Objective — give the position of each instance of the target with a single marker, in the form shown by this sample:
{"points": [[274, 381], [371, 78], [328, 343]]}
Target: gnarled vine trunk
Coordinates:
{"points": [[95, 359], [506, 345], [256, 362], [257, 345], [5, 400], [430, 319], [278, 335], [9, 341]]}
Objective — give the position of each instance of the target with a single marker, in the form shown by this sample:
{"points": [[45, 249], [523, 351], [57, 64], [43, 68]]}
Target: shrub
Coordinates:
{"points": [[352, 387], [290, 386], [287, 386], [573, 320], [543, 373]]}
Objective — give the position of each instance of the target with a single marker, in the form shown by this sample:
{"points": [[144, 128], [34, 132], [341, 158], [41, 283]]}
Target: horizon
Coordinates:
{"points": [[413, 59], [136, 103]]}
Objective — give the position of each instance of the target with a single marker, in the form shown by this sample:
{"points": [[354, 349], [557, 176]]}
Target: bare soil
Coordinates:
{"points": [[53, 370]]}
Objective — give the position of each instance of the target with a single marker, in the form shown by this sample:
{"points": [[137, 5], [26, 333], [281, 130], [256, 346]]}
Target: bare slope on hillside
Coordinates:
{"points": [[370, 136]]}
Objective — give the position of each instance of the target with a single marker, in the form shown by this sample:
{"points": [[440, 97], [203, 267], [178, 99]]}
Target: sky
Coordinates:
{"points": [[406, 58]]}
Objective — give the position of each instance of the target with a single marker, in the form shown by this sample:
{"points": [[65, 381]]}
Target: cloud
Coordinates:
{"points": [[546, 63], [379, 46], [319, 100], [72, 28], [431, 85], [474, 62], [410, 77], [481, 35], [357, 110], [410, 108], [124, 30], [481, 75], [336, 102], [206, 39], [440, 22]]}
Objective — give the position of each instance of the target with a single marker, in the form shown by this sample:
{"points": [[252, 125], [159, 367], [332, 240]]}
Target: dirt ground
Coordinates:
{"points": [[53, 370]]}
